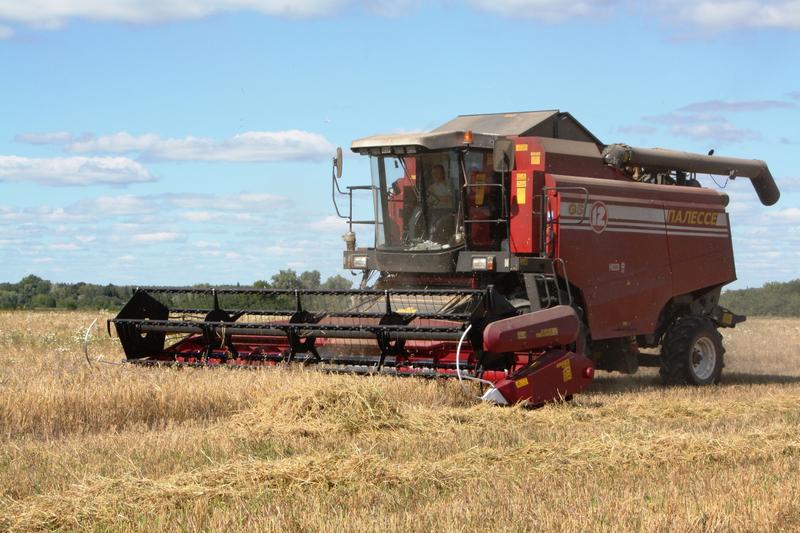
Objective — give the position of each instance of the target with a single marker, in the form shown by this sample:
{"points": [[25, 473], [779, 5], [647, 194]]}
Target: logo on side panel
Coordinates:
{"points": [[598, 217]]}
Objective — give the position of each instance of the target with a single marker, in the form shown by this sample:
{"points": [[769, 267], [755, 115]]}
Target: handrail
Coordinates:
{"points": [[350, 188], [585, 192]]}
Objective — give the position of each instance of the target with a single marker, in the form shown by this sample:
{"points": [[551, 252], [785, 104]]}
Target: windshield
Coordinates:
{"points": [[419, 203]]}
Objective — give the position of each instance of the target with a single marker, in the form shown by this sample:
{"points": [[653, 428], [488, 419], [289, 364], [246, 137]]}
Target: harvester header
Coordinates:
{"points": [[514, 250]]}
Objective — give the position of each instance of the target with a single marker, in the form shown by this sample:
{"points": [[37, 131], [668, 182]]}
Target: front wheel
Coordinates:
{"points": [[692, 352]]}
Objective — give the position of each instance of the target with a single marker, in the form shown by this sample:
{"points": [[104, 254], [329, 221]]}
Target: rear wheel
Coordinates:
{"points": [[692, 352]]}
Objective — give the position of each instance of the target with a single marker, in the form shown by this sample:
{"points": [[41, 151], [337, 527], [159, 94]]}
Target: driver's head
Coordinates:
{"points": [[438, 172]]}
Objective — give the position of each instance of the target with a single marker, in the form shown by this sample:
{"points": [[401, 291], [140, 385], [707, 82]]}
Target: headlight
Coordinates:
{"points": [[483, 263], [359, 261]]}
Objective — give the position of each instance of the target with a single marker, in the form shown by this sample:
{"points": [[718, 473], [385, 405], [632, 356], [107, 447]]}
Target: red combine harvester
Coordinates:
{"points": [[515, 250]]}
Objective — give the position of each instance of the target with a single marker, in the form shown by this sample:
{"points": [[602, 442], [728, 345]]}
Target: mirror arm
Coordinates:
{"points": [[334, 189]]}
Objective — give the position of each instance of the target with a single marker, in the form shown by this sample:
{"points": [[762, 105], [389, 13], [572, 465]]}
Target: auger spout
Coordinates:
{"points": [[621, 156]]}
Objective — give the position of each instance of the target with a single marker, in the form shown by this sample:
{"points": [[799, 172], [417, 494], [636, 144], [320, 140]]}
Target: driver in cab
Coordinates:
{"points": [[440, 197], [440, 193]]}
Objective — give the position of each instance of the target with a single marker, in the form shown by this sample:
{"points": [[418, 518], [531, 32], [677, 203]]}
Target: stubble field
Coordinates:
{"points": [[122, 448]]}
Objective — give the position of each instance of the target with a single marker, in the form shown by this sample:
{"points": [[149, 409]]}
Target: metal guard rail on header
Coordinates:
{"points": [[143, 324], [317, 292], [273, 329]]}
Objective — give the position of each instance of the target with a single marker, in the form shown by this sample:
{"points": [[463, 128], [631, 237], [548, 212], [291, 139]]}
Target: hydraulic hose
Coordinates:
{"points": [[461, 378]]}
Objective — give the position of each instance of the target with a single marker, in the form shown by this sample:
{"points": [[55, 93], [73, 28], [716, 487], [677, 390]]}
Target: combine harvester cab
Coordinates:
{"points": [[515, 250]]}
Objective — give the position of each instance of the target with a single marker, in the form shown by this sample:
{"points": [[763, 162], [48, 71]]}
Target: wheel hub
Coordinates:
{"points": [[704, 358]]}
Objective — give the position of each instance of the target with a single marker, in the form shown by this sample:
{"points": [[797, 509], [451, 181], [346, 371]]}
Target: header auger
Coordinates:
{"points": [[514, 249]]}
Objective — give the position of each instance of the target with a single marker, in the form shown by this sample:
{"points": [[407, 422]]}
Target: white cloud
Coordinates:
{"points": [[63, 246], [739, 208], [721, 106], [703, 127], [248, 218], [42, 215], [721, 131], [233, 202], [249, 146], [120, 142], [6, 32], [45, 14], [259, 198], [547, 10], [636, 129], [151, 218], [159, 236], [52, 137], [125, 227], [789, 215], [115, 206], [788, 183], [207, 244], [73, 170], [708, 14], [730, 14], [200, 216], [330, 223]]}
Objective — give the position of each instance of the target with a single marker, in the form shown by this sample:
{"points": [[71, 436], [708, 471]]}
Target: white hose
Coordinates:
{"points": [[98, 359], [86, 341], [458, 366]]}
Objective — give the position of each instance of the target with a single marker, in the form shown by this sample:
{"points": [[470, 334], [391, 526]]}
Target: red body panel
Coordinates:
{"points": [[638, 245], [530, 159], [556, 374], [628, 246], [557, 325]]}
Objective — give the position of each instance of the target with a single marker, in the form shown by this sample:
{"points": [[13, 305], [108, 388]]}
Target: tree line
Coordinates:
{"points": [[33, 292], [774, 299]]}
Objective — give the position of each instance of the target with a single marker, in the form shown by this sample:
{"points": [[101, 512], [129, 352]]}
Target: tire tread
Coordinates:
{"points": [[677, 343]]}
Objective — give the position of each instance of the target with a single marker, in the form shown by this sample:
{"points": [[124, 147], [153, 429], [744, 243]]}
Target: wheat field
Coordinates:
{"points": [[115, 447]]}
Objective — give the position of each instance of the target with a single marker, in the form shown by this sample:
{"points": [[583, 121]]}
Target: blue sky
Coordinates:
{"points": [[180, 142]]}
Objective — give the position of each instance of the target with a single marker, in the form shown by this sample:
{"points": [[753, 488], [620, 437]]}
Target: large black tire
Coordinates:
{"points": [[692, 352]]}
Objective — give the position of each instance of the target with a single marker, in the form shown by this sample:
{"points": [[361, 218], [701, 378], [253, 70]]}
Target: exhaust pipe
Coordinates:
{"points": [[621, 155]]}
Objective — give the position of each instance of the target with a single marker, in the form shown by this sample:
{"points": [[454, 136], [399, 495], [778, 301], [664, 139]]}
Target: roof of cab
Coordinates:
{"points": [[485, 127]]}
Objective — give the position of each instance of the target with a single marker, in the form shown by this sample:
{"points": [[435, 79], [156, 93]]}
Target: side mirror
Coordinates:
{"points": [[503, 157], [337, 163]]}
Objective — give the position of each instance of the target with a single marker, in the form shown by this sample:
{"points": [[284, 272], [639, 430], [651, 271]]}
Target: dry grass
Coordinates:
{"points": [[114, 447]]}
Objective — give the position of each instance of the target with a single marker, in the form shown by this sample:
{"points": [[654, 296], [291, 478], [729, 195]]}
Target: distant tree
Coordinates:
{"points": [[9, 299], [310, 280], [286, 279], [35, 292], [337, 282], [774, 298], [29, 287]]}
